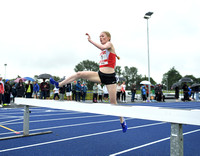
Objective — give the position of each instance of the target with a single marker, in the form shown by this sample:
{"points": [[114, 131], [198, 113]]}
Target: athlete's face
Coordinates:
{"points": [[104, 38]]}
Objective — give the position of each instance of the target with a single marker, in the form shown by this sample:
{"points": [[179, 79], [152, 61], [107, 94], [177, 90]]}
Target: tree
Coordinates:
{"points": [[118, 71], [35, 77], [171, 77], [86, 65], [130, 75]]}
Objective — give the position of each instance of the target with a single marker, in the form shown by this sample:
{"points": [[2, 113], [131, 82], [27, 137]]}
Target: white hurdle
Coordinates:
{"points": [[177, 117]]}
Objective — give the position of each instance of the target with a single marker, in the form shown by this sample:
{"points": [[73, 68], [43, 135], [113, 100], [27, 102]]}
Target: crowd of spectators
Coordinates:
{"points": [[73, 91], [77, 91]]}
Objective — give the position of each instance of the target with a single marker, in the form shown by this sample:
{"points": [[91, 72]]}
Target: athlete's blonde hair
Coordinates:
{"points": [[107, 34]]}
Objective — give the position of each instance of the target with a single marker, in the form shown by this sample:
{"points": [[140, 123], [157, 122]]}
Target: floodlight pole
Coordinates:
{"points": [[5, 71], [147, 16]]}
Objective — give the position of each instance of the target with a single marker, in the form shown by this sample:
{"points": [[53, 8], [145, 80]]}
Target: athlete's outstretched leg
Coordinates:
{"points": [[89, 75], [112, 90]]}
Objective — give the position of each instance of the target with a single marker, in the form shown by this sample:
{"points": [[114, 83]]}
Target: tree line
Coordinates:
{"points": [[130, 75]]}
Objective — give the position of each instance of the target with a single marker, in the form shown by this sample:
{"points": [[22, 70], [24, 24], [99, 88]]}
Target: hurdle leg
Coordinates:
{"points": [[26, 121], [176, 140], [25, 127]]}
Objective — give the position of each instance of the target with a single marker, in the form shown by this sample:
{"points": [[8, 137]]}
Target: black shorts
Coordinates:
{"points": [[107, 78]]}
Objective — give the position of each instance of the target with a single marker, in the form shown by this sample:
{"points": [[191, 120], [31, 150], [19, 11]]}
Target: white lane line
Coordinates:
{"points": [[58, 114], [150, 143], [64, 126], [19, 118], [21, 113], [57, 119], [76, 137], [73, 125]]}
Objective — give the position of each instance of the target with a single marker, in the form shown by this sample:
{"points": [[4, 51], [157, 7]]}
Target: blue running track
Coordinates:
{"points": [[84, 134]]}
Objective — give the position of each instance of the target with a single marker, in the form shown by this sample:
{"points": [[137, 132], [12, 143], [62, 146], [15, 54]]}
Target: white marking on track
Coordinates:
{"points": [[76, 137]]}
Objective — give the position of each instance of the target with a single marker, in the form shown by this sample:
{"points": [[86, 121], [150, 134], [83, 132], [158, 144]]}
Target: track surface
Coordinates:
{"points": [[84, 134]]}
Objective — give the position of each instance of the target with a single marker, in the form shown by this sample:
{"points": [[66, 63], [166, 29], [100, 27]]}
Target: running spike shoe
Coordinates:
{"points": [[52, 81]]}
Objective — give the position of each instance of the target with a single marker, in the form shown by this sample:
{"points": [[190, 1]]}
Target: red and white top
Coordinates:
{"points": [[1, 88], [108, 59]]}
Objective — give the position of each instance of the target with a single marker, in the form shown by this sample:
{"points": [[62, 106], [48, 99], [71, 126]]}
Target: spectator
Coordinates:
{"points": [[20, 89], [118, 91], [95, 92], [69, 91], [158, 92], [7, 91], [2, 98], [123, 89], [1, 93], [74, 91], [62, 93], [189, 93], [14, 92], [177, 93], [100, 92], [84, 91], [185, 92], [133, 91], [78, 91], [105, 94], [36, 89], [48, 90], [143, 92], [29, 90], [56, 93], [43, 88]]}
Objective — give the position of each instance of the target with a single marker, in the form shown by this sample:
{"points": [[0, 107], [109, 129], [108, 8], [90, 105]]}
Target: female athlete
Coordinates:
{"points": [[106, 73]]}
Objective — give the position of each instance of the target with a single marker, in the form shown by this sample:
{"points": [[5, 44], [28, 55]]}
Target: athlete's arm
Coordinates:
{"points": [[108, 45]]}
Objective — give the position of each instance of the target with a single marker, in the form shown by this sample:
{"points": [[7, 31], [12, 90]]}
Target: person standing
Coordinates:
{"points": [[1, 82], [43, 88], [105, 75], [78, 91], [118, 91], [69, 91], [56, 93], [123, 89], [159, 93], [185, 92], [105, 94], [100, 92], [7, 91], [84, 90], [36, 89], [29, 90], [1, 93], [74, 90], [20, 89], [95, 92], [143, 91], [177, 93], [48, 91], [133, 91], [62, 93], [14, 92]]}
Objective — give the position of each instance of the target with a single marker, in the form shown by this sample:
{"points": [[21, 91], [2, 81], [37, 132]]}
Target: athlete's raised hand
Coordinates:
{"points": [[89, 38]]}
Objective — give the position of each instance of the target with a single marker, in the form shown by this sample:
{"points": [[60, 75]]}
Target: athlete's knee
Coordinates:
{"points": [[80, 74]]}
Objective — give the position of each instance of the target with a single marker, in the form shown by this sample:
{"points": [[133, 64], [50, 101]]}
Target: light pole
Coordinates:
{"points": [[5, 71], [147, 16]]}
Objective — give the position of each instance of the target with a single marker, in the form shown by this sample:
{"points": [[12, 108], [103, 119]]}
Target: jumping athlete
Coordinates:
{"points": [[106, 73]]}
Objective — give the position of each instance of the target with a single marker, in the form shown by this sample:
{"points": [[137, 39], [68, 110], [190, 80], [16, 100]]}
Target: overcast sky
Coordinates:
{"points": [[45, 36]]}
